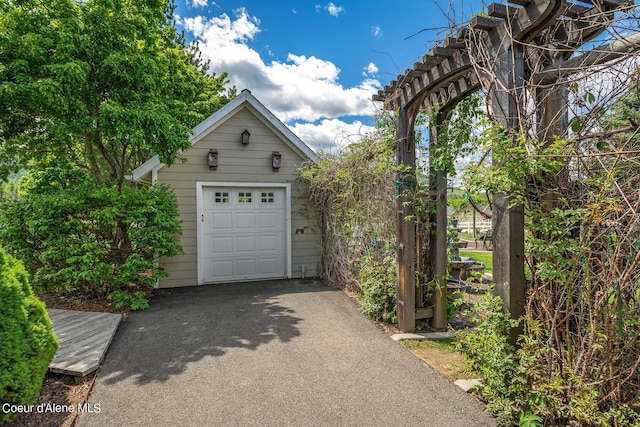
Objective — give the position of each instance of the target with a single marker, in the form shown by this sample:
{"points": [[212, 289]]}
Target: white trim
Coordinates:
{"points": [[218, 118], [200, 185]]}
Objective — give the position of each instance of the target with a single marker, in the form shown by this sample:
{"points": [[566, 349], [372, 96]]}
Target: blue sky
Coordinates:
{"points": [[315, 65]]}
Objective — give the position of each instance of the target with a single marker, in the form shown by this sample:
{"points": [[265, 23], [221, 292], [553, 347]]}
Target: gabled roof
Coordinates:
{"points": [[245, 99]]}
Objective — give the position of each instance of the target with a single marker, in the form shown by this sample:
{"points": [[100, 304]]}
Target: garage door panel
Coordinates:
{"points": [[222, 245], [222, 220], [268, 243], [245, 244], [246, 268], [243, 232], [220, 270], [268, 220], [245, 220], [269, 265]]}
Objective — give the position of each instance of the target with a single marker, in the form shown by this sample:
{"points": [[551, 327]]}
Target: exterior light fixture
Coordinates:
{"points": [[276, 160], [245, 137], [212, 159]]}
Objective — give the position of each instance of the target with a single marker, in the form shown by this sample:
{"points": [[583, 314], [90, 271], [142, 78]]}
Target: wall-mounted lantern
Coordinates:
{"points": [[245, 137], [212, 159], [276, 160]]}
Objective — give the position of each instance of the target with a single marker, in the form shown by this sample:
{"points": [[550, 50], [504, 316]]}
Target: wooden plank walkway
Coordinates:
{"points": [[84, 338]]}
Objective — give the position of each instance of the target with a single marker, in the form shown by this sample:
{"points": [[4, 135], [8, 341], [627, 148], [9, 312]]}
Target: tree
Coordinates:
{"points": [[101, 84], [88, 91]]}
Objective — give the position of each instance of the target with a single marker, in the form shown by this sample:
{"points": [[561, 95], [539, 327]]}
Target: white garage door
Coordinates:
{"points": [[243, 233]]}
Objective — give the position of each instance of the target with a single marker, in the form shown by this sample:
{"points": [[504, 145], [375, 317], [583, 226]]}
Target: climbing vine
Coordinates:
{"points": [[578, 359], [353, 189]]}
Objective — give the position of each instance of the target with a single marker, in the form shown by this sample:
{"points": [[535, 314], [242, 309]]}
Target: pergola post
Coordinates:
{"points": [[553, 113], [438, 242], [405, 222], [507, 101], [552, 122]]}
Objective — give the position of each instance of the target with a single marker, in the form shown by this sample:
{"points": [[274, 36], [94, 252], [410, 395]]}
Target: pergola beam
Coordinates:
{"points": [[598, 56]]}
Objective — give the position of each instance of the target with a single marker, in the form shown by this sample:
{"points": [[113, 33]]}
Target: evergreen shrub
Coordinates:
{"points": [[27, 341]]}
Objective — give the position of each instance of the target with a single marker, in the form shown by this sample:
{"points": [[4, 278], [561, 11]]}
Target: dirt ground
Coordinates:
{"points": [[61, 390], [441, 355]]}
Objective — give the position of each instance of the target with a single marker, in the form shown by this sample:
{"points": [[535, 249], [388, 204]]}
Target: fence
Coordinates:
{"points": [[467, 226]]}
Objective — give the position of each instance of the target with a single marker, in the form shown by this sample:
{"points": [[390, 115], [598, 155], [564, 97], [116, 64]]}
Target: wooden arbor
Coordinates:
{"points": [[525, 41]]}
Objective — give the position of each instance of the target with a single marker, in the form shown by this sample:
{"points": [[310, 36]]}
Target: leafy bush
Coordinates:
{"points": [[377, 278], [354, 191], [525, 386], [27, 341], [76, 236], [134, 301], [579, 356], [492, 357]]}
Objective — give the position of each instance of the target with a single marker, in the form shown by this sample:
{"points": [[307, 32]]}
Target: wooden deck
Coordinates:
{"points": [[84, 338]]}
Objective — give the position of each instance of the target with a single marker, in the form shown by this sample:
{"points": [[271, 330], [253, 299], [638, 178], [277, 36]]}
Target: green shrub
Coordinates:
{"points": [[524, 386], [492, 357], [377, 278], [134, 301], [353, 190], [27, 341], [75, 236]]}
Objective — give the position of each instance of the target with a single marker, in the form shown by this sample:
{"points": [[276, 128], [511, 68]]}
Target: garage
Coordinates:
{"points": [[243, 233], [244, 210]]}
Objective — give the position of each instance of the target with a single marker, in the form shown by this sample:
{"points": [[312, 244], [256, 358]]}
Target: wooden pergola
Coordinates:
{"points": [[514, 32]]}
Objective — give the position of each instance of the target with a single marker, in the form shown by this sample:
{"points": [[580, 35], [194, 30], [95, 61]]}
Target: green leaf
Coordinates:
{"points": [[528, 419], [575, 123]]}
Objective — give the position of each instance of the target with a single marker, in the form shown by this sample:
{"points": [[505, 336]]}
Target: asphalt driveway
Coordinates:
{"points": [[267, 353]]}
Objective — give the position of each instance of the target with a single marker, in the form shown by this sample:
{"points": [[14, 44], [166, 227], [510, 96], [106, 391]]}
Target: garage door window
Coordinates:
{"points": [[267, 198], [244, 197], [222, 197]]}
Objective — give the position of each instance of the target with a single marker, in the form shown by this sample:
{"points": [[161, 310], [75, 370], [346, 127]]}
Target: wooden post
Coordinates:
{"points": [[552, 113], [405, 222], [508, 258], [552, 122], [508, 222], [438, 246]]}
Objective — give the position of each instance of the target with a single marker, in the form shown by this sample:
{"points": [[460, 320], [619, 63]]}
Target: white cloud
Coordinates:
{"points": [[331, 8], [198, 3], [330, 134], [223, 29], [375, 30], [334, 10], [299, 88], [269, 51], [370, 70]]}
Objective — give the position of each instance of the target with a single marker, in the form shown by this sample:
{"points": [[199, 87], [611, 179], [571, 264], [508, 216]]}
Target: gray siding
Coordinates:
{"points": [[238, 163]]}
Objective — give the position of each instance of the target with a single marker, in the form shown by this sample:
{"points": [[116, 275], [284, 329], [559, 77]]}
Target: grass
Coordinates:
{"points": [[466, 236], [481, 256], [441, 355]]}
